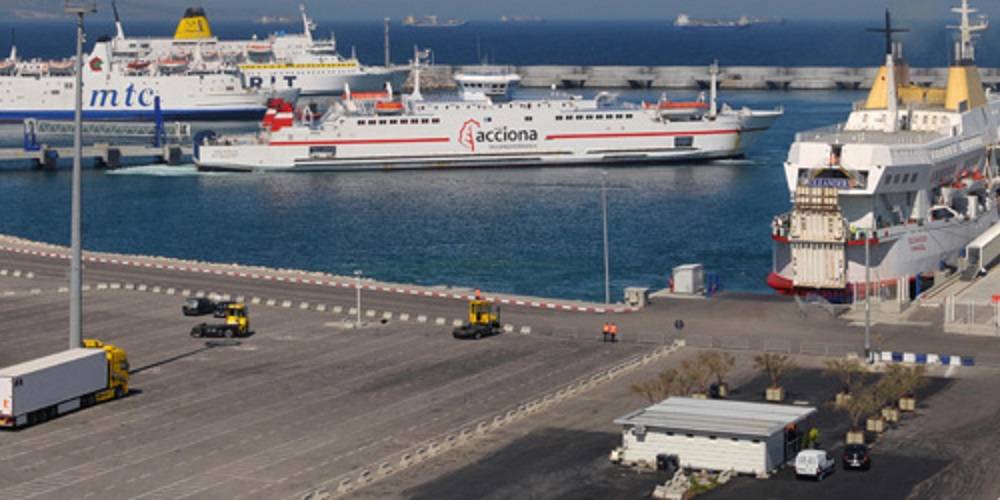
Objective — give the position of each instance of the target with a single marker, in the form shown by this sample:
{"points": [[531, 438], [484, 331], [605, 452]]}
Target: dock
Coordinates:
{"points": [[695, 77]]}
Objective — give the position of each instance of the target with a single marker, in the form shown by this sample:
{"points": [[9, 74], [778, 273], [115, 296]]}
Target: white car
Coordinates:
{"points": [[813, 463]]}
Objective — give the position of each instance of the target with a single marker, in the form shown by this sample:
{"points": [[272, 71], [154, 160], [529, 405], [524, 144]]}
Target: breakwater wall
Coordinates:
{"points": [[696, 77]]}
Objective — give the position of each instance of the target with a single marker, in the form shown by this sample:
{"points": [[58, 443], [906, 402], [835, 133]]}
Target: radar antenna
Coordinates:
{"points": [[888, 30]]}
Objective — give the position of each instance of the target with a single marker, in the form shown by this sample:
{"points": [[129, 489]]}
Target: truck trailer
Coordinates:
{"points": [[40, 389]]}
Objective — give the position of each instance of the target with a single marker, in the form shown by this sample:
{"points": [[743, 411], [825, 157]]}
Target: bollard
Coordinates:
{"points": [[303, 306], [338, 309], [255, 300]]}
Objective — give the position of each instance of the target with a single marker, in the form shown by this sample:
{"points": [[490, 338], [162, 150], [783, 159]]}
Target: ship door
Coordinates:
{"points": [[818, 240]]}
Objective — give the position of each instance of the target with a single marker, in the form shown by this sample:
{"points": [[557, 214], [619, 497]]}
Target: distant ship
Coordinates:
{"points": [[432, 22], [265, 20], [686, 21], [282, 61], [521, 19]]}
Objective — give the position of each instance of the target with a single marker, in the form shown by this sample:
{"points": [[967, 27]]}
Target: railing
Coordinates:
{"points": [[975, 317]]}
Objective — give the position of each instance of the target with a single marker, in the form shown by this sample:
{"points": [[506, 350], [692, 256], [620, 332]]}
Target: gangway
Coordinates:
{"points": [[982, 253], [158, 133]]}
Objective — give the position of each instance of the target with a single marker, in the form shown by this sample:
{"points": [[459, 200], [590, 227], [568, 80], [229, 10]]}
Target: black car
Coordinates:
{"points": [[221, 307], [857, 456], [198, 307]]}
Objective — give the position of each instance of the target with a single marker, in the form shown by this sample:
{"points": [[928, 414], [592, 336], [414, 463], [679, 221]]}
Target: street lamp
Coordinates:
{"points": [[76, 246], [357, 286], [604, 219]]}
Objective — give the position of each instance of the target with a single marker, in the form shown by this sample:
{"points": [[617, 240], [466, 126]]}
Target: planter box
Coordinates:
{"points": [[699, 395], [775, 394], [842, 400], [723, 391], [855, 437], [876, 424], [908, 404], [890, 414]]}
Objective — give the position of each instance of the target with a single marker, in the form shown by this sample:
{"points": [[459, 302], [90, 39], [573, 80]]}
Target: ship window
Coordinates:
{"points": [[372, 122], [361, 122], [381, 122], [683, 142], [558, 118], [590, 117], [435, 120], [579, 117], [618, 116], [913, 177], [528, 118], [628, 116], [393, 122], [404, 122], [424, 121], [488, 119]]}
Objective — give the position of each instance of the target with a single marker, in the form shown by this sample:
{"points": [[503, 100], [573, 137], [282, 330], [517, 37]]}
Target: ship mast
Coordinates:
{"points": [[965, 53], [890, 72], [307, 24], [119, 31]]}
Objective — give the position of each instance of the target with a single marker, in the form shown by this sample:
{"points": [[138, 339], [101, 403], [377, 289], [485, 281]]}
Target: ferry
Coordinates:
{"points": [[686, 21], [280, 61], [894, 194], [432, 22], [115, 91], [485, 126]]}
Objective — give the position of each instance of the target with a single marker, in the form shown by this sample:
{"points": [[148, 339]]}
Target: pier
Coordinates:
{"points": [[696, 77]]}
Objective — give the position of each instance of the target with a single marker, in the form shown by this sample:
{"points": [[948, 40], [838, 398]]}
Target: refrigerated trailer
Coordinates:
{"points": [[43, 388]]}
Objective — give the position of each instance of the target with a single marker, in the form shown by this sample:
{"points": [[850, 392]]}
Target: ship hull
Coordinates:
{"points": [[332, 83]]}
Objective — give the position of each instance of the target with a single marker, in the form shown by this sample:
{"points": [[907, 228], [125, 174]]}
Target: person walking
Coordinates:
{"points": [[606, 330], [614, 332]]}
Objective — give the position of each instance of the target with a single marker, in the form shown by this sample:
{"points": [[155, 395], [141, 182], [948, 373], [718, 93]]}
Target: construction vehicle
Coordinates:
{"points": [[484, 320], [38, 390], [237, 324]]}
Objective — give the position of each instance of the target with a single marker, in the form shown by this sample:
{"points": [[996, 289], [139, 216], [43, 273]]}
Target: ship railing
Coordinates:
{"points": [[836, 134]]}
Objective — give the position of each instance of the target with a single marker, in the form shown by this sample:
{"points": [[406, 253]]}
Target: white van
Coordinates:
{"points": [[813, 463]]}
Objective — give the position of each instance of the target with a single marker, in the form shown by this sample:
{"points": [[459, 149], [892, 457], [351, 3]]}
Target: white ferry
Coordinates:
{"points": [[911, 177], [485, 127], [279, 62], [113, 91]]}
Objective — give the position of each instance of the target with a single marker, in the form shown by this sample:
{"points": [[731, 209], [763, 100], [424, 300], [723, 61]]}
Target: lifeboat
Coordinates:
{"points": [[389, 108], [677, 108], [172, 65], [259, 49], [137, 65], [33, 68], [62, 67], [367, 96]]}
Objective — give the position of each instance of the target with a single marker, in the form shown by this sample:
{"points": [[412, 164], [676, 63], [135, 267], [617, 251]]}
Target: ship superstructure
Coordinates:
{"points": [[910, 178], [486, 126], [279, 62]]}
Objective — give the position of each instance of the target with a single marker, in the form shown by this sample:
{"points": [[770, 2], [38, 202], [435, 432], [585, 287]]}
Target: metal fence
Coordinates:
{"points": [[971, 316]]}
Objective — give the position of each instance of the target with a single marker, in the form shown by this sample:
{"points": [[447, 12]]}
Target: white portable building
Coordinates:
{"points": [[712, 434]]}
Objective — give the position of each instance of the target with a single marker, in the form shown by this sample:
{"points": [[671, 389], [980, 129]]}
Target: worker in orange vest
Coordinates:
{"points": [[614, 332], [606, 330]]}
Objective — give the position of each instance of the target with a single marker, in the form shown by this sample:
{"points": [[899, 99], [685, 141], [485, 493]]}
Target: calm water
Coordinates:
{"points": [[644, 42], [525, 231]]}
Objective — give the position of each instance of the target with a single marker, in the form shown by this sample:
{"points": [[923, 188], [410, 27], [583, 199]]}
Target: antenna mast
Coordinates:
{"points": [[966, 51]]}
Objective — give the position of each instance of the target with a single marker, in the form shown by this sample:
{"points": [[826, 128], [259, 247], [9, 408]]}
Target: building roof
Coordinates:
{"points": [[717, 417]]}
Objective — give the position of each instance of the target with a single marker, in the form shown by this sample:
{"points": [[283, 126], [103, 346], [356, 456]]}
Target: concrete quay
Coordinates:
{"points": [[695, 77], [312, 403]]}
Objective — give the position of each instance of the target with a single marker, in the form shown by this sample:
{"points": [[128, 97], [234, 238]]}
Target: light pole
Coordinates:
{"points": [[604, 220], [357, 286], [868, 285], [76, 245]]}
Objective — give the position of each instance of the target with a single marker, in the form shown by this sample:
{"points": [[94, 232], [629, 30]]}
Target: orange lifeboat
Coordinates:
{"points": [[389, 107]]}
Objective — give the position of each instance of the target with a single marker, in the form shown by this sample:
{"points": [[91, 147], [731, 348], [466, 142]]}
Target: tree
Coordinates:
{"points": [[667, 383], [697, 373], [774, 366], [862, 404], [899, 381], [719, 364], [850, 372]]}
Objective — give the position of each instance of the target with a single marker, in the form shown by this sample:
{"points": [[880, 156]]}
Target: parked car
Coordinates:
{"points": [[857, 456], [816, 464], [221, 307], [198, 307]]}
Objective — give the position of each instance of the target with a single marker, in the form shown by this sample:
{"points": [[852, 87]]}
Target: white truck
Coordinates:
{"points": [[40, 389]]}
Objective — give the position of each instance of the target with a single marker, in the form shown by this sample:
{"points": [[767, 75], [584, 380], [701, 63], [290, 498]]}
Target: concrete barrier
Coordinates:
{"points": [[171, 291], [130, 286], [439, 321], [17, 273], [303, 306], [272, 302], [86, 288], [370, 313], [102, 286], [3, 272], [421, 319], [404, 317], [456, 322], [199, 294], [36, 291], [321, 307], [352, 311], [525, 330], [338, 309], [255, 300], [142, 288], [286, 304], [508, 328], [63, 289]]}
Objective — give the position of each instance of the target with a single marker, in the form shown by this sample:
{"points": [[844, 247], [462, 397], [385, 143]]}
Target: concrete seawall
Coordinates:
{"points": [[696, 77]]}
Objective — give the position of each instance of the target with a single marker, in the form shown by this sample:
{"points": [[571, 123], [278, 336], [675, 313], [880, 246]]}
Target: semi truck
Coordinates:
{"points": [[38, 390]]}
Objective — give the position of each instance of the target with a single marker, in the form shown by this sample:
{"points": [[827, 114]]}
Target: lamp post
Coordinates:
{"points": [[357, 286], [604, 220], [76, 245]]}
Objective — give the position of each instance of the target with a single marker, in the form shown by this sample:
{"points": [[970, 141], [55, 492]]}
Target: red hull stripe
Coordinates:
{"points": [[638, 134], [360, 141]]}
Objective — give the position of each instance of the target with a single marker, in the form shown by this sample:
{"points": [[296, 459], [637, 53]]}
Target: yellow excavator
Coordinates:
{"points": [[484, 320]]}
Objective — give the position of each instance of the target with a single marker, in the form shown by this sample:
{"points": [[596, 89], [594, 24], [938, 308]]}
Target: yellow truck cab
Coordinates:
{"points": [[118, 367], [484, 320]]}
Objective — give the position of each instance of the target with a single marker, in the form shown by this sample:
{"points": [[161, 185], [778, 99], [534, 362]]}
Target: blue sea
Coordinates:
{"points": [[527, 231]]}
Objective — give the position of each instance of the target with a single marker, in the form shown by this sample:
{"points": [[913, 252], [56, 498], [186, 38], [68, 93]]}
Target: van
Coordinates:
{"points": [[813, 463]]}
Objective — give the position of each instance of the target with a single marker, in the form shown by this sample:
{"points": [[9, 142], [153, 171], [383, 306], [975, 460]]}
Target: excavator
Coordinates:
{"points": [[484, 320]]}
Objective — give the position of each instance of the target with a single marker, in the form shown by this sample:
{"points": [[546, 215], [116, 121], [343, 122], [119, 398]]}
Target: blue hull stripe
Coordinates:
{"points": [[235, 114]]}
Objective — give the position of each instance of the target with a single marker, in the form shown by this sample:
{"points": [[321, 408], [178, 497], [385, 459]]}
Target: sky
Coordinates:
{"points": [[549, 9]]}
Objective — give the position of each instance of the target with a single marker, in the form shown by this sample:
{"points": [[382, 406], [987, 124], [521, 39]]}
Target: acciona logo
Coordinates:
{"points": [[472, 134]]}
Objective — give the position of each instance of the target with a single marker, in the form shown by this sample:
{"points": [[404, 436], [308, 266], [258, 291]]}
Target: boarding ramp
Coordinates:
{"points": [[982, 253]]}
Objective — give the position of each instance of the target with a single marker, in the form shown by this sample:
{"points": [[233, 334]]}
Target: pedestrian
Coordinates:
{"points": [[814, 438], [614, 332], [606, 330]]}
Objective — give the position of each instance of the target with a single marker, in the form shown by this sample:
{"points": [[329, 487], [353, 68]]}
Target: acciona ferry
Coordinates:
{"points": [[114, 91], [909, 179], [486, 127]]}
